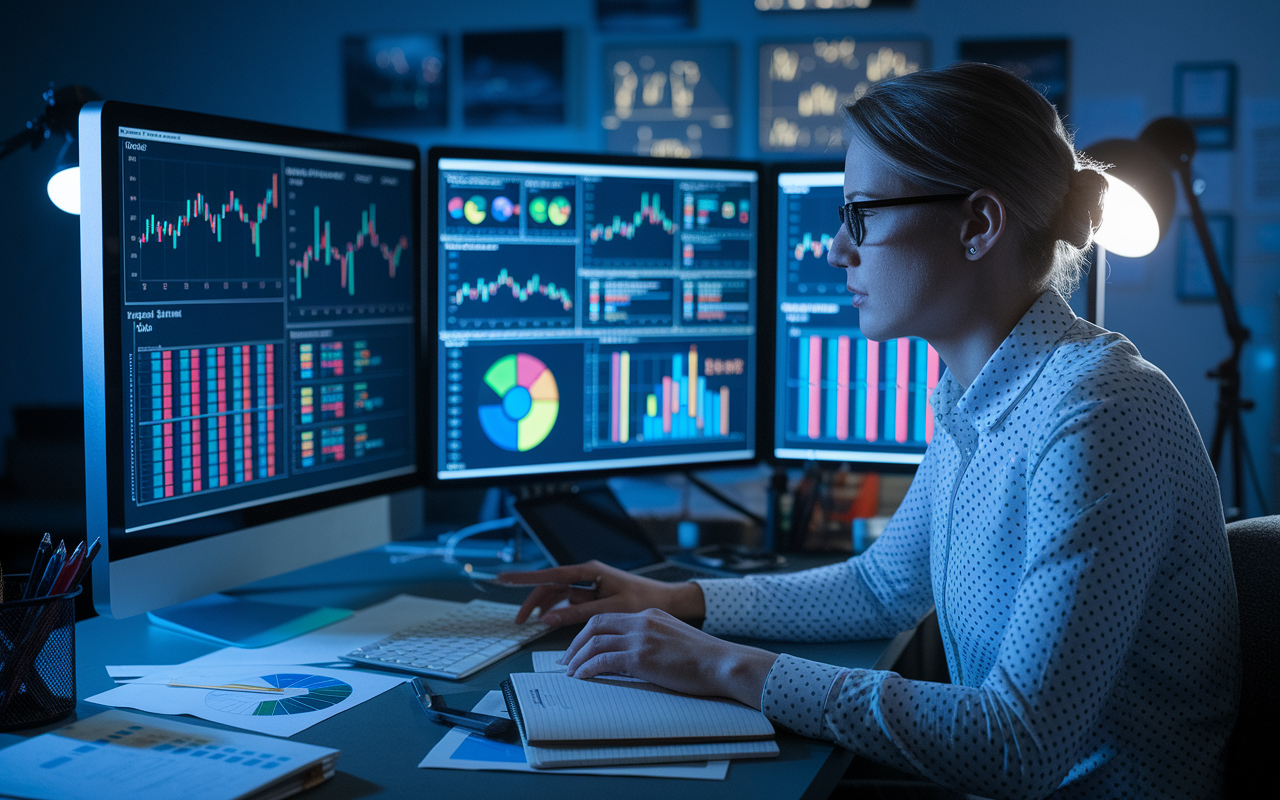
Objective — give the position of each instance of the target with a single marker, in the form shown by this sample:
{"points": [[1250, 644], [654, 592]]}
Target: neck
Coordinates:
{"points": [[967, 351]]}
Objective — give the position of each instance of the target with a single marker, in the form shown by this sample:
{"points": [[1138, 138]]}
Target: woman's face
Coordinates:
{"points": [[903, 275]]}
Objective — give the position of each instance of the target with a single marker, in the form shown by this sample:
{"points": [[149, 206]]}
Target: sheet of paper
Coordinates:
{"points": [[122, 672], [118, 754], [326, 644], [461, 750], [310, 695]]}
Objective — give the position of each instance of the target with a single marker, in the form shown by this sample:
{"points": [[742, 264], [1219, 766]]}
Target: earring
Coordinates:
{"points": [[973, 251]]}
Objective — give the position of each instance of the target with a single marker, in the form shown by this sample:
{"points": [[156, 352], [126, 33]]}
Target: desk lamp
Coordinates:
{"points": [[61, 114], [1139, 207]]}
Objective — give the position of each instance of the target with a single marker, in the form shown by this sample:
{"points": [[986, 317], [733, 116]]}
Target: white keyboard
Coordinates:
{"points": [[454, 645]]}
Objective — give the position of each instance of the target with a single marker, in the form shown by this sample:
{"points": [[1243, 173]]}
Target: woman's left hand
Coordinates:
{"points": [[655, 646]]}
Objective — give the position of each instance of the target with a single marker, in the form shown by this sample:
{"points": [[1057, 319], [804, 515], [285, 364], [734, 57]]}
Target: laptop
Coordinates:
{"points": [[588, 523]]}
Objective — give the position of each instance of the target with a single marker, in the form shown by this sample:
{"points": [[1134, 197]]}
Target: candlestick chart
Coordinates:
{"points": [[349, 251], [629, 223], [204, 227]]}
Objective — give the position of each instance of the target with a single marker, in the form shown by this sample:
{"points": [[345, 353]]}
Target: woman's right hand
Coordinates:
{"points": [[616, 592]]}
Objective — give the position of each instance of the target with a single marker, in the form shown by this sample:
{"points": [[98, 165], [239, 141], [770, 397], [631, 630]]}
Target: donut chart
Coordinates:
{"points": [[520, 411], [320, 693]]}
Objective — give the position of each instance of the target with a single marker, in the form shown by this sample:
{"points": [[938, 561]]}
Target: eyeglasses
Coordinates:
{"points": [[854, 215]]}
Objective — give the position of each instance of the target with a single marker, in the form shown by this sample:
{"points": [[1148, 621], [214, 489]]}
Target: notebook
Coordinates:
{"points": [[566, 722], [120, 754]]}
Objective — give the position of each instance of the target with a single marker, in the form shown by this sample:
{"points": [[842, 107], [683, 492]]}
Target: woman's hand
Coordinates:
{"points": [[616, 591], [657, 647]]}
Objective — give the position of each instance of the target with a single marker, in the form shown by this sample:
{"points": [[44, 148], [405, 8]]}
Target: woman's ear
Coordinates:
{"points": [[985, 219]]}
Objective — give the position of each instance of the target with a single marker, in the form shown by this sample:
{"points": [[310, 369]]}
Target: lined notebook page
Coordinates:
{"points": [[558, 709], [553, 757]]}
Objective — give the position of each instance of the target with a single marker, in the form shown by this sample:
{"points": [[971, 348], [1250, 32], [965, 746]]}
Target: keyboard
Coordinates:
{"points": [[455, 645]]}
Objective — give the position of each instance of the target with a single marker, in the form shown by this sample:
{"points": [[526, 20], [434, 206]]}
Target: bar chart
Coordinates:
{"points": [[209, 417], [661, 397], [846, 388]]}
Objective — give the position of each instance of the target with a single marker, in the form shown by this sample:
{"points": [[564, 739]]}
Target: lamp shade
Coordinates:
{"points": [[1140, 196], [64, 183]]}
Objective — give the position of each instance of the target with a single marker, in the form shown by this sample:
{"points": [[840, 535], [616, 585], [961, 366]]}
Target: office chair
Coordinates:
{"points": [[1255, 558]]}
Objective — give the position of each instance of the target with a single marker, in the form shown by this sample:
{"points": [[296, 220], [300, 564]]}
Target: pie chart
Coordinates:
{"points": [[474, 210], [521, 409], [303, 693]]}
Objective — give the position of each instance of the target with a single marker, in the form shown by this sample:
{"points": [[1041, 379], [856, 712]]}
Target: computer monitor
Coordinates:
{"points": [[251, 329], [838, 396], [592, 313]]}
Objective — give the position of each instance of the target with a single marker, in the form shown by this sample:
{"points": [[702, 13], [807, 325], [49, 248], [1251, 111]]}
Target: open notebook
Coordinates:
{"points": [[567, 722]]}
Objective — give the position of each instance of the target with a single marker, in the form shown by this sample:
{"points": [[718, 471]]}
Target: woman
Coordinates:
{"points": [[1066, 523]]}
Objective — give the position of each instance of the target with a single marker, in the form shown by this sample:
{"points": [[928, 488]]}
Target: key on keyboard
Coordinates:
{"points": [[454, 645]]}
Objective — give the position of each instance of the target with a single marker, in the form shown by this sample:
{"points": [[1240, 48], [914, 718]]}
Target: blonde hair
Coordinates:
{"points": [[976, 126]]}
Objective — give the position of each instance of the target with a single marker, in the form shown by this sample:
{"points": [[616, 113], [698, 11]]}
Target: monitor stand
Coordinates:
{"points": [[237, 622]]}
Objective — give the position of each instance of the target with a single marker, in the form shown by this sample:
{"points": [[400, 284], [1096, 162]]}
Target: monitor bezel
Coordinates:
{"points": [[432, 320], [105, 440], [776, 170]]}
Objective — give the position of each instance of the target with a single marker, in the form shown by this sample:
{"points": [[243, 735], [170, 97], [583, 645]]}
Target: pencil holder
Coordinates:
{"points": [[37, 657]]}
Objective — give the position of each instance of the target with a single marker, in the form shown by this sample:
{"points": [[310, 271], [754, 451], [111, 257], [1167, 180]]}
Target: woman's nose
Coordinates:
{"points": [[841, 253]]}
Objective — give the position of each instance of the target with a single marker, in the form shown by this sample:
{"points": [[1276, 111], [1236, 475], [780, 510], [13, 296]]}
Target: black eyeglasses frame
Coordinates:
{"points": [[854, 215]]}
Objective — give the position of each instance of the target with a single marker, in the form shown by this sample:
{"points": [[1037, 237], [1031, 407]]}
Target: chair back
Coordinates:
{"points": [[1255, 559]]}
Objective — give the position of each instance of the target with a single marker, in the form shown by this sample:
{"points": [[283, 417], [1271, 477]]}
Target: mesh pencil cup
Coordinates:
{"points": [[37, 657]]}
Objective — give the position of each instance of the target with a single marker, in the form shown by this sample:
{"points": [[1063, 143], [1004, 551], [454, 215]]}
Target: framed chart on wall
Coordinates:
{"points": [[673, 100], [1043, 63], [804, 84], [1195, 281], [395, 81], [513, 78]]}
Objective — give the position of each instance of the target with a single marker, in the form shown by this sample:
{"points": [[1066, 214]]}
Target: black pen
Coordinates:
{"points": [[483, 724], [84, 564], [37, 567]]}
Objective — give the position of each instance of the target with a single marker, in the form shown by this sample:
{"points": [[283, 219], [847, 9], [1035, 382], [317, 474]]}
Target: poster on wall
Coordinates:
{"points": [[1205, 96], [805, 84], [1043, 63], [513, 78], [395, 81], [673, 100], [646, 16]]}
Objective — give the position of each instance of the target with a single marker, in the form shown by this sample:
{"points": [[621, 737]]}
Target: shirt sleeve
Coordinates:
{"points": [[1099, 518], [871, 596]]}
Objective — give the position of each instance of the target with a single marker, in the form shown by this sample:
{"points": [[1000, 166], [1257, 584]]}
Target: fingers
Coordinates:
{"points": [[573, 573], [542, 598], [613, 658]]}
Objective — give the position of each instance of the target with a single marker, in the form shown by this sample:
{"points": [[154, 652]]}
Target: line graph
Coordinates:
{"points": [[510, 286]]}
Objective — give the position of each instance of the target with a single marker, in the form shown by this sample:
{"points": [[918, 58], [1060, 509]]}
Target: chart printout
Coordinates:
{"points": [[593, 316], [268, 321]]}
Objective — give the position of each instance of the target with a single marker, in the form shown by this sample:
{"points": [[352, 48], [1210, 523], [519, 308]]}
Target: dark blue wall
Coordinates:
{"points": [[279, 62]]}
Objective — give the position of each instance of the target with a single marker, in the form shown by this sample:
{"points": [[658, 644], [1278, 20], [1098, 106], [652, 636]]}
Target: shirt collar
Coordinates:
{"points": [[1012, 368]]}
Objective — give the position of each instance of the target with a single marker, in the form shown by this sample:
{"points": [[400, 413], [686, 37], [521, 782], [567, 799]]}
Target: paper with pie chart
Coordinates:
{"points": [[305, 696], [519, 402]]}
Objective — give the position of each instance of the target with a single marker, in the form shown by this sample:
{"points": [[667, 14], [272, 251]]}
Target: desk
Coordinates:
{"points": [[383, 740]]}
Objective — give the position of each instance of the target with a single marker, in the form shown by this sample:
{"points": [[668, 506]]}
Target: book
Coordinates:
{"points": [[121, 754], [566, 722]]}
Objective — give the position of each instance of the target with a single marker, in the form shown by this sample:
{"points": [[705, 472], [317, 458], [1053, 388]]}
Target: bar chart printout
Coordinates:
{"points": [[208, 418], [666, 397], [847, 389]]}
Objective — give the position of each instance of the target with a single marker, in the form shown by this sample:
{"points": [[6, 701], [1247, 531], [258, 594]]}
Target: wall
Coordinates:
{"points": [[279, 62]]}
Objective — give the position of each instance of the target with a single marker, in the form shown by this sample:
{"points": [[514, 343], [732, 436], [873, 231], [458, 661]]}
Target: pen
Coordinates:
{"points": [[37, 567], [483, 724], [56, 561], [85, 563], [68, 572]]}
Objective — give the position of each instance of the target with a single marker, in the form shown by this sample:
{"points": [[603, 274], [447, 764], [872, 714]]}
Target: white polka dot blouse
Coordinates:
{"points": [[1067, 525]]}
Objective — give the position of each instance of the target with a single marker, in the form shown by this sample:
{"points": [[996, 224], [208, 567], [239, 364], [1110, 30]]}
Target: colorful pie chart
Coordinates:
{"points": [[556, 210], [474, 210], [503, 208], [304, 693], [521, 410], [455, 207]]}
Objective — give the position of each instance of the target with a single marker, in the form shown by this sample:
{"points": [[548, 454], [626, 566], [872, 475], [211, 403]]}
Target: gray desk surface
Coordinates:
{"points": [[383, 740]]}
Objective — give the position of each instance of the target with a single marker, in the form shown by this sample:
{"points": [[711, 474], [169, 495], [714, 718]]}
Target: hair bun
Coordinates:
{"points": [[1081, 211]]}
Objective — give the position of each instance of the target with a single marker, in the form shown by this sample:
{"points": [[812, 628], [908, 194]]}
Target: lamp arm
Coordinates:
{"points": [[1236, 330], [33, 135]]}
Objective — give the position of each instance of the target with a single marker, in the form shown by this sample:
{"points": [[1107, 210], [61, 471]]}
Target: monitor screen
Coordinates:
{"points": [[251, 323], [839, 396], [592, 312]]}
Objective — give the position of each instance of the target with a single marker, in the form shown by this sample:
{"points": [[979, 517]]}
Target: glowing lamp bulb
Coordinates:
{"points": [[64, 190], [1129, 227]]}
